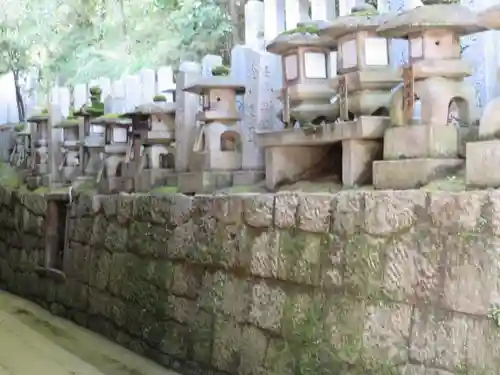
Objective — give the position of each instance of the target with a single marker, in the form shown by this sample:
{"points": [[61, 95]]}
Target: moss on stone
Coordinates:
{"points": [[165, 190], [221, 71], [159, 98], [303, 29], [19, 127], [9, 177]]}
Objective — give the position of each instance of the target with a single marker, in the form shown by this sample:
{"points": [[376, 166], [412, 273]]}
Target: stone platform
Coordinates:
{"points": [[210, 181]]}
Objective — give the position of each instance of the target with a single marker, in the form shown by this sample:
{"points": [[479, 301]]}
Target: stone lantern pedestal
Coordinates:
{"points": [[153, 161], [21, 157]]}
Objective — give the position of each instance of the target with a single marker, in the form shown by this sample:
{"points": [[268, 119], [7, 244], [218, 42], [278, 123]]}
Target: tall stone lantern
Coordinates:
{"points": [[308, 62], [418, 151], [71, 145], [40, 140]]}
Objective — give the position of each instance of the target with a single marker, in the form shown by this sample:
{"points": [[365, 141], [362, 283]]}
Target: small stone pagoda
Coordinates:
{"points": [[483, 156], [40, 150], [418, 151], [91, 137], [216, 155], [69, 168], [117, 149], [153, 129]]}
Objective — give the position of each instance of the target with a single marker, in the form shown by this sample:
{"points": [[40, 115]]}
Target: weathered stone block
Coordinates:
{"points": [[458, 212], [100, 263], [439, 338], [80, 230], [279, 358], [300, 257], [77, 262], [181, 241], [228, 209], [258, 210], [267, 304], [226, 345], [151, 209], [262, 249], [108, 205], [252, 351], [124, 209], [116, 238], [174, 341], [386, 332], [147, 239], [180, 209], [348, 214], [186, 280], [202, 330], [99, 230], [315, 212], [412, 266], [285, 209], [483, 347], [388, 212]]}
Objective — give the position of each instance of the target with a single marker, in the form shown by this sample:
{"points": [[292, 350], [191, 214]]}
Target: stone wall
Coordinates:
{"points": [[354, 283]]}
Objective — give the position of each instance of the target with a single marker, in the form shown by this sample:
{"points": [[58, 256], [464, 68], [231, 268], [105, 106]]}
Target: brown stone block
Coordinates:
{"points": [[439, 338], [252, 351]]}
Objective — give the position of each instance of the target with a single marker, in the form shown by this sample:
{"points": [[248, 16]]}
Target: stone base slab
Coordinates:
{"points": [[411, 173], [420, 141], [482, 164]]}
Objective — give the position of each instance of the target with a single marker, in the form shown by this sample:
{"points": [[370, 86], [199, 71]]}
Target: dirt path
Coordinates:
{"points": [[34, 342]]}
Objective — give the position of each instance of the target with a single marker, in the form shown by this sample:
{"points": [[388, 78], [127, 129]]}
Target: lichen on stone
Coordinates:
{"points": [[221, 71], [302, 29], [159, 98]]}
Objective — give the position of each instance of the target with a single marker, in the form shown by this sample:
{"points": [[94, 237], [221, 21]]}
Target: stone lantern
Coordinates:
{"points": [[70, 164], [21, 155], [415, 152], [308, 63], [91, 137], [216, 152], [40, 142], [117, 148], [482, 157], [153, 129]]}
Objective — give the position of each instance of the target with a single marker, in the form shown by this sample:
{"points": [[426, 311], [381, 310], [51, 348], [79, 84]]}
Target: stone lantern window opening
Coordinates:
{"points": [[434, 44], [230, 141], [376, 51], [291, 67], [116, 135], [315, 65], [348, 56], [205, 101], [332, 64], [166, 161]]}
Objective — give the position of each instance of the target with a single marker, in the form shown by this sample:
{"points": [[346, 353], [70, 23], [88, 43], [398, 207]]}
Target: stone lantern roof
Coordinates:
{"points": [[68, 123], [154, 108], [42, 117], [452, 17], [205, 84], [111, 120], [305, 35], [356, 21], [490, 17]]}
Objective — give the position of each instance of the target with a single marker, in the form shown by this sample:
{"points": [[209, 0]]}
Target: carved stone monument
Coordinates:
{"points": [[415, 152]]}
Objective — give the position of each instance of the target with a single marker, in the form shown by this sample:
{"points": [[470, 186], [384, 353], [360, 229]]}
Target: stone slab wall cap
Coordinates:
{"points": [[156, 108], [103, 120], [454, 17], [490, 17], [353, 23]]}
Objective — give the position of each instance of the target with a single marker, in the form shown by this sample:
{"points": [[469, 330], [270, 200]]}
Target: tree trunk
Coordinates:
{"points": [[21, 112]]}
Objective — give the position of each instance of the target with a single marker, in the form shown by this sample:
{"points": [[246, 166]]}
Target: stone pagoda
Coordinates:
{"points": [[40, 150], [153, 129], [117, 149], [69, 168], [91, 137], [418, 151], [483, 156], [216, 156]]}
